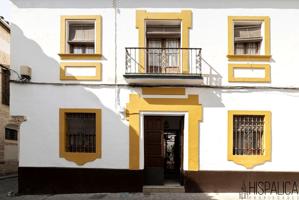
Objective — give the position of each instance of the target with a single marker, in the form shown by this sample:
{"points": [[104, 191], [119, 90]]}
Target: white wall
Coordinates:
{"points": [[39, 144], [36, 39], [36, 42]]}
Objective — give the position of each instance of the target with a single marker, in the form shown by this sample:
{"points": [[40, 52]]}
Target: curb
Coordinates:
{"points": [[8, 176]]}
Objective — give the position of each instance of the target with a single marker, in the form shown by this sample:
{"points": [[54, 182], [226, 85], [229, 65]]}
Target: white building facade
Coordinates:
{"points": [[132, 93]]}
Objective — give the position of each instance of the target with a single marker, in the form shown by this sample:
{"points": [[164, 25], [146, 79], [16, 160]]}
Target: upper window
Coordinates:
{"points": [[80, 134], [249, 38], [249, 137], [80, 37], [163, 35], [163, 43], [5, 86]]}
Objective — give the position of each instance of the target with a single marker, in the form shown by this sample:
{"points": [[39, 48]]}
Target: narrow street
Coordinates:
{"points": [[10, 185]]}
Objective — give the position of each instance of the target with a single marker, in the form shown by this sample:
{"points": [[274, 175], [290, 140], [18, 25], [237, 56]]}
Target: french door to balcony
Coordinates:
{"points": [[163, 56]]}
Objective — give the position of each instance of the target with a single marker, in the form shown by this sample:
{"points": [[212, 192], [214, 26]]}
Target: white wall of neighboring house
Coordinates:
{"points": [[36, 43]]}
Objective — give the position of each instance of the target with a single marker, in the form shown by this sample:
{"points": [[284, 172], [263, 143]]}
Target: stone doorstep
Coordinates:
{"points": [[163, 189]]}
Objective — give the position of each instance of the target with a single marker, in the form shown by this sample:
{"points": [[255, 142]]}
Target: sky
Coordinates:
{"points": [[5, 9]]}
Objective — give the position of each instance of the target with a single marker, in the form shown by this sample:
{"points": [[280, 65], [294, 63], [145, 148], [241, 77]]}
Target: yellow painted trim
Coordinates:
{"points": [[79, 158], [98, 33], [163, 91], [232, 78], [249, 161], [190, 105], [186, 18], [263, 57], [98, 67], [249, 57], [80, 56]]}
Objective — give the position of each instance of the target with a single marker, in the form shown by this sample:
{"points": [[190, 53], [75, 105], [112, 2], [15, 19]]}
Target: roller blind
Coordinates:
{"points": [[81, 33], [164, 31], [250, 33]]}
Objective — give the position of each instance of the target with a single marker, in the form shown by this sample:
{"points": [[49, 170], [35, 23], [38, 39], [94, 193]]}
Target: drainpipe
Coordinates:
{"points": [[117, 89]]}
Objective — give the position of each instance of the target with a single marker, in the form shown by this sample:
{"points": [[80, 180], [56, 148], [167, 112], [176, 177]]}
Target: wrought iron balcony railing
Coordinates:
{"points": [[164, 61]]}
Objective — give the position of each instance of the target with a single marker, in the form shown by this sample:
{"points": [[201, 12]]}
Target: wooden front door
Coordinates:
{"points": [[153, 150]]}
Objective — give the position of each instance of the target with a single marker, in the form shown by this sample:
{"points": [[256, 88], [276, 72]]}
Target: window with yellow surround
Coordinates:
{"points": [[249, 38], [80, 135], [165, 35], [80, 37], [249, 137]]}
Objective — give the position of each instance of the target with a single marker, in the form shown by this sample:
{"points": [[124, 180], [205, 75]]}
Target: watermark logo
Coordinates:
{"points": [[269, 190]]}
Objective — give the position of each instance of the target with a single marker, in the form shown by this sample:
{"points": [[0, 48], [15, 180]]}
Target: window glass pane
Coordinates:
{"points": [[172, 54], [89, 50], [77, 49], [154, 56], [80, 132]]}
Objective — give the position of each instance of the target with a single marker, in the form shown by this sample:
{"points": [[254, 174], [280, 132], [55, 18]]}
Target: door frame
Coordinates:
{"points": [[185, 142]]}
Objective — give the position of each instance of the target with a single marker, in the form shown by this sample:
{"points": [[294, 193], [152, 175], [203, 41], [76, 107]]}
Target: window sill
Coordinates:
{"points": [[13, 142], [249, 57], [249, 161], [80, 158], [65, 56]]}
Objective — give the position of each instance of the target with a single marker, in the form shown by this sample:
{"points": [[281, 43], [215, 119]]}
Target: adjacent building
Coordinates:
{"points": [[125, 94], [8, 126]]}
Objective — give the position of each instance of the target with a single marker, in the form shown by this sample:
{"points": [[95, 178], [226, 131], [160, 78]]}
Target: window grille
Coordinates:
{"points": [[248, 131], [11, 134], [81, 132]]}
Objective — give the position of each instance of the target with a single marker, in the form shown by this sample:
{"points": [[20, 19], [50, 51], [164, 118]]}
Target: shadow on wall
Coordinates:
{"points": [[46, 101], [201, 4], [210, 76], [37, 60]]}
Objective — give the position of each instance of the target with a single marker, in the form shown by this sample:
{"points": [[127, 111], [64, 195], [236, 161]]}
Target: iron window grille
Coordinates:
{"points": [[11, 134], [248, 134], [81, 132]]}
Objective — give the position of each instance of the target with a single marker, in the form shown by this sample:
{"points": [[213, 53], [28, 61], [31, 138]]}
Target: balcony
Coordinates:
{"points": [[163, 66]]}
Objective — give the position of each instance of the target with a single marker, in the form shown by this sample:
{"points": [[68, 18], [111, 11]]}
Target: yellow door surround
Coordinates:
{"points": [[185, 16], [163, 91], [189, 105]]}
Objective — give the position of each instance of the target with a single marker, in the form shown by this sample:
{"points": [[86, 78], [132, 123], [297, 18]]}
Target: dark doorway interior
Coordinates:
{"points": [[163, 149]]}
